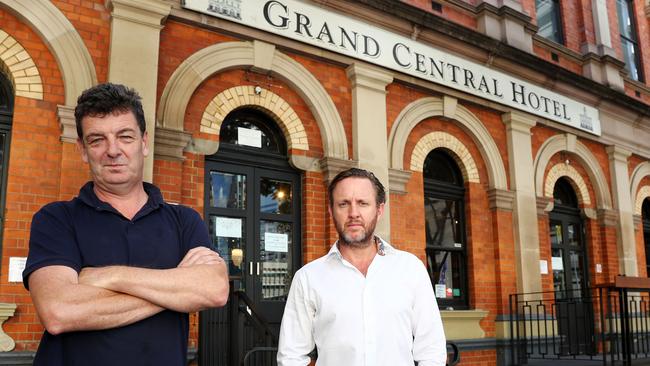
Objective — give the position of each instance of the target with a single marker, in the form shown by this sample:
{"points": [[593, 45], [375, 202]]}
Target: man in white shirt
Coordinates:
{"points": [[365, 303]]}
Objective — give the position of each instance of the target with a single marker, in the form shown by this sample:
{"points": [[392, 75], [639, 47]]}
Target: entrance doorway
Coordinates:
{"points": [[573, 305], [252, 208]]}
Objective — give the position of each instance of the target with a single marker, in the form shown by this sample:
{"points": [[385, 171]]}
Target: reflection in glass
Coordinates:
{"points": [[275, 255], [576, 272], [556, 234], [229, 246], [275, 196], [442, 225], [446, 270], [558, 272], [227, 190], [573, 235]]}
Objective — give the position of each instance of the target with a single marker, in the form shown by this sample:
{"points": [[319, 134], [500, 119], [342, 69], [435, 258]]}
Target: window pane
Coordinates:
{"points": [[573, 236], [558, 270], [548, 20], [445, 270], [442, 225], [254, 129], [275, 248], [228, 238], [577, 271], [631, 57], [227, 190], [556, 234], [275, 196], [625, 25]]}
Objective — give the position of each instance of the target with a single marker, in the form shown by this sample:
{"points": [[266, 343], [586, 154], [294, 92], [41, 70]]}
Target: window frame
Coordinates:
{"points": [[555, 19], [632, 39], [453, 192]]}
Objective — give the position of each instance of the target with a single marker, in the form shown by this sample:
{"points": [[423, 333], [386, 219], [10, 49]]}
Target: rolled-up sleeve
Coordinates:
{"points": [[296, 336], [429, 343]]}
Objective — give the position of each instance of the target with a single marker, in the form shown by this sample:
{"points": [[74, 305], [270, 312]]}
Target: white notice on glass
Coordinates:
{"points": [[441, 291], [16, 267], [557, 263], [228, 227], [248, 137], [274, 242], [543, 266]]}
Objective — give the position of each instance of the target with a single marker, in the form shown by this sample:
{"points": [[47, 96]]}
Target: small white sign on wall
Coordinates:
{"points": [[557, 264], [16, 267]]}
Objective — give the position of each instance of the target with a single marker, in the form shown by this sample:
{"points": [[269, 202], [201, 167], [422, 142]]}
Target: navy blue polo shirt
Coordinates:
{"points": [[86, 232]]}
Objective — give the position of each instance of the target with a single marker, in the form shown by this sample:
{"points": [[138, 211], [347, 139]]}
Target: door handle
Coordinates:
{"points": [[250, 268], [258, 268]]}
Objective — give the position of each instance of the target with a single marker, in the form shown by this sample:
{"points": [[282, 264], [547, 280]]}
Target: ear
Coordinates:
{"points": [[380, 210], [145, 144], [329, 209], [82, 149]]}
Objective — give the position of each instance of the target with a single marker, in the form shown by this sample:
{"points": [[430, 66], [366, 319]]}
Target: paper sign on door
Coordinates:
{"points": [[274, 242], [228, 227]]}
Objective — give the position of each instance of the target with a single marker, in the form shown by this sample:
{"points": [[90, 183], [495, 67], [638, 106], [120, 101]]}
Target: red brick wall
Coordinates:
{"points": [[92, 21], [33, 174]]}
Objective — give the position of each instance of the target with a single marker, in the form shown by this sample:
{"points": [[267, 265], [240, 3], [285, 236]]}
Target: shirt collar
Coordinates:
{"points": [[336, 253], [87, 195]]}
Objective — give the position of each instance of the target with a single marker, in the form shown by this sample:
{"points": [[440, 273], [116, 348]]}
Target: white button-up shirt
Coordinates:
{"points": [[389, 317]]}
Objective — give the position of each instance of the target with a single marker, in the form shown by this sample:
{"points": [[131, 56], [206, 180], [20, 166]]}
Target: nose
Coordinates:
{"points": [[353, 210], [113, 148]]}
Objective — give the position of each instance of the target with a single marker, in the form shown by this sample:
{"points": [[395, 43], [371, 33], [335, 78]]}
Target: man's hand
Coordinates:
{"points": [[200, 255]]}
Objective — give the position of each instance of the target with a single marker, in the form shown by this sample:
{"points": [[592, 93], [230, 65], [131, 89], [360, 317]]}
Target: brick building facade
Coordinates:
{"points": [[499, 173]]}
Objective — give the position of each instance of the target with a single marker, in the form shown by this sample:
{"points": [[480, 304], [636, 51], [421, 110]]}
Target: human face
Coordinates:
{"points": [[355, 211], [115, 149]]}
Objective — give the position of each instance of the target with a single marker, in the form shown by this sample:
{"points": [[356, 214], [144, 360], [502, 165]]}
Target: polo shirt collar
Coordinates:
{"points": [[87, 195], [336, 253]]}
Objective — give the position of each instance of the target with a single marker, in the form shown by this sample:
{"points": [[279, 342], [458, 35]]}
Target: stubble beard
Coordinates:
{"points": [[364, 241]]}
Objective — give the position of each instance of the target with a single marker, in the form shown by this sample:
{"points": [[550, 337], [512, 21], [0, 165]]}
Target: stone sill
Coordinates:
{"points": [[463, 324]]}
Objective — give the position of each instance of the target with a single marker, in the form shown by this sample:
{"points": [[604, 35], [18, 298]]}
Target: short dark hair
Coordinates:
{"points": [[380, 192], [108, 98]]}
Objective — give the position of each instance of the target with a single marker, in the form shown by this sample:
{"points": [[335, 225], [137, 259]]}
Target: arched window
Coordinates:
{"points": [[645, 215], [250, 129], [6, 116], [444, 213]]}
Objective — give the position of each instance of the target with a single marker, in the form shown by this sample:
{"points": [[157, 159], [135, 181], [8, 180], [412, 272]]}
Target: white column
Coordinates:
{"points": [[135, 41], [369, 135], [522, 183], [601, 23], [625, 239]]}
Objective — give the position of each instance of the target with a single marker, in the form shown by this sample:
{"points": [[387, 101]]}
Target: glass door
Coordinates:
{"points": [[254, 223]]}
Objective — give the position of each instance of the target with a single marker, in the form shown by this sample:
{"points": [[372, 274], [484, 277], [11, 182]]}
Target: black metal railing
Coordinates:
{"points": [[608, 324]]}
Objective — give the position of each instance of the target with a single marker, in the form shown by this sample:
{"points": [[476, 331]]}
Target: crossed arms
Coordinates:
{"points": [[114, 296]]}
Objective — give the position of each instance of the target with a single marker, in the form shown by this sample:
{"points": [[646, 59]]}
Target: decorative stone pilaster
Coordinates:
{"points": [[606, 217], [369, 129], [500, 199], [544, 205], [333, 166], [520, 158], [7, 310], [65, 114], [169, 144], [625, 238], [134, 49], [397, 179]]}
